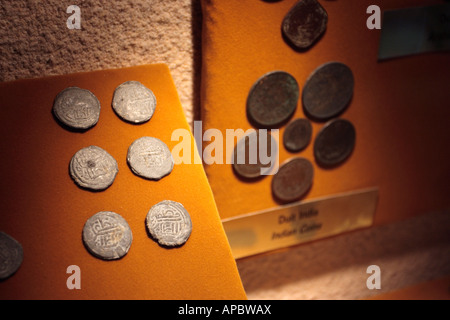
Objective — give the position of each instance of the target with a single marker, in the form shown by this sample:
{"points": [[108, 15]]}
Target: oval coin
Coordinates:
{"points": [[272, 99], [11, 255], [297, 135], [107, 235], [150, 158], [77, 108], [293, 179], [335, 142], [328, 91], [93, 168], [169, 223], [134, 102]]}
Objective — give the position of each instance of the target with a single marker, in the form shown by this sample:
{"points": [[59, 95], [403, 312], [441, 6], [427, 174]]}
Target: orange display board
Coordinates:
{"points": [[399, 107], [45, 211]]}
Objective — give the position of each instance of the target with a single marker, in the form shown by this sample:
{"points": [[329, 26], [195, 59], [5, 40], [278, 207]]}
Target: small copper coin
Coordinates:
{"points": [[305, 23], [297, 135], [328, 91], [293, 179], [11, 255], [334, 143], [246, 155], [272, 99]]}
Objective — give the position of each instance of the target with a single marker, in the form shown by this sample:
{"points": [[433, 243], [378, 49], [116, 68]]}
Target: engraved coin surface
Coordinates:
{"points": [[134, 102], [304, 23], [246, 155], [335, 142], [328, 91], [150, 158], [11, 255], [77, 108], [293, 180], [272, 99], [297, 135], [93, 168], [169, 223], [107, 235]]}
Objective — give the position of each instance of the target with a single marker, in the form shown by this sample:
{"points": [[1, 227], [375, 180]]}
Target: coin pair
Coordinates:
{"points": [[95, 169], [107, 235], [79, 108]]}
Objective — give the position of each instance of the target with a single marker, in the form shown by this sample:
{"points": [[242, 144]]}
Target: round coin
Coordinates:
{"points": [[304, 23], [272, 99], [134, 102], [77, 108], [247, 155], [297, 135], [150, 158], [293, 179], [93, 168], [107, 235], [169, 223], [334, 143], [11, 255], [328, 91]]}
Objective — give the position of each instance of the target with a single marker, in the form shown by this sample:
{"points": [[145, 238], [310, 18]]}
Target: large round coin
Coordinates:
{"points": [[11, 255], [293, 179], [335, 142], [93, 168], [272, 99], [297, 135], [169, 223], [150, 158], [77, 108], [247, 158], [107, 235], [134, 102], [304, 23], [328, 91]]}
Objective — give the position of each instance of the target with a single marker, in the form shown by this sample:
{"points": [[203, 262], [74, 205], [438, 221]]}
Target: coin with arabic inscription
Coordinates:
{"points": [[293, 179], [93, 168], [304, 23], [11, 255], [77, 108], [107, 235], [272, 99], [254, 155], [334, 143], [328, 91], [134, 102], [297, 135], [169, 223], [150, 158]]}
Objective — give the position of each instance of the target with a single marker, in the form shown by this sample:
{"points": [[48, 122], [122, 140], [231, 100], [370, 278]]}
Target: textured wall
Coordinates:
{"points": [[35, 42]]}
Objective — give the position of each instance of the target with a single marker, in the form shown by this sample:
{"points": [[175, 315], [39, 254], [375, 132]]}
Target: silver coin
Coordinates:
{"points": [[134, 102], [150, 158], [107, 235], [11, 255], [169, 223], [93, 168], [77, 108]]}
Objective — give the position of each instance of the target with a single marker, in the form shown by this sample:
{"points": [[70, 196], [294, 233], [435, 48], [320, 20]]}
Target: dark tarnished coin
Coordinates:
{"points": [[272, 99], [134, 102], [305, 23], [328, 91], [246, 155], [293, 179], [335, 142], [107, 235], [93, 168], [150, 158], [11, 255], [297, 135], [169, 223], [77, 108]]}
